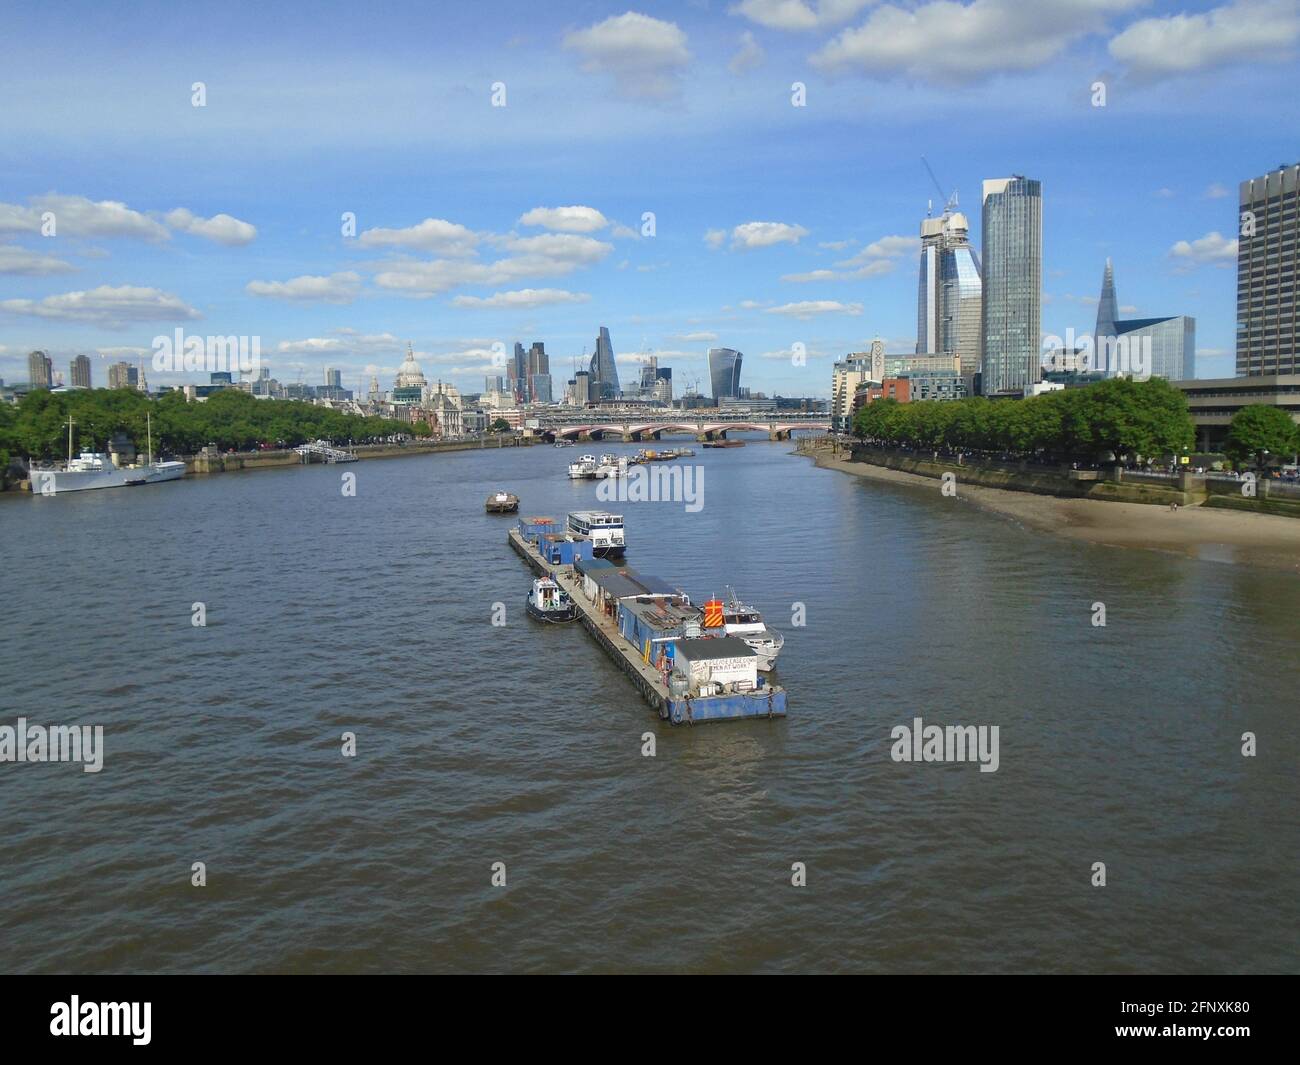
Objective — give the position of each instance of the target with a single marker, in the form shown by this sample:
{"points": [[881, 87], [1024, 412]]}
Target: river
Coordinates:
{"points": [[372, 614]]}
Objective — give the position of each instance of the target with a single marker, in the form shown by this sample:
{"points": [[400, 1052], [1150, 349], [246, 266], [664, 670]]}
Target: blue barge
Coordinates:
{"points": [[653, 634]]}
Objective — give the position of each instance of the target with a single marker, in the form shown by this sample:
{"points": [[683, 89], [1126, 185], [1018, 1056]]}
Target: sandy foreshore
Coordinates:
{"points": [[1265, 540]]}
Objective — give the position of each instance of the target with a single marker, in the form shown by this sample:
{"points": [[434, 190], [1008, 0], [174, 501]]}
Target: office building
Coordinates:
{"points": [[1268, 257], [1140, 347], [1012, 288], [333, 377], [40, 370], [604, 370], [123, 375], [724, 373], [79, 375]]}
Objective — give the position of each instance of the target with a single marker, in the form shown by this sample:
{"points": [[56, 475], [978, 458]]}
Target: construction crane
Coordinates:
{"points": [[951, 203]]}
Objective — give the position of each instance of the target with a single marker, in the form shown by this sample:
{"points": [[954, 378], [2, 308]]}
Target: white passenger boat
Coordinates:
{"points": [[745, 622], [605, 530], [96, 469], [584, 469]]}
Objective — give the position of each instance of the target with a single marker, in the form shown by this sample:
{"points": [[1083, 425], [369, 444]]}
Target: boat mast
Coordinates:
{"points": [[148, 421], [69, 437]]}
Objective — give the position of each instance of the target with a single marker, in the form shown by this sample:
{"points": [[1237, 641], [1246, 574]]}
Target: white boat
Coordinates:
{"points": [[605, 530], [96, 469], [547, 601], [584, 469], [744, 621], [617, 468]]}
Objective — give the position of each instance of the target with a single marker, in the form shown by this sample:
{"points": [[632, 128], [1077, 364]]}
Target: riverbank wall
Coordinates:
{"points": [[1112, 484]]}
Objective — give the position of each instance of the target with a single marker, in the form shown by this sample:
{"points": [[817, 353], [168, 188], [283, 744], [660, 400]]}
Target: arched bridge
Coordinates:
{"points": [[628, 431]]}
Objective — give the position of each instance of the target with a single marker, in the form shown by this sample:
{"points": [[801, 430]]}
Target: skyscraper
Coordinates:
{"points": [[949, 302], [1012, 284], [333, 377], [604, 370], [40, 371], [724, 373], [1268, 270], [80, 372], [538, 366], [123, 375], [517, 373], [1156, 347]]}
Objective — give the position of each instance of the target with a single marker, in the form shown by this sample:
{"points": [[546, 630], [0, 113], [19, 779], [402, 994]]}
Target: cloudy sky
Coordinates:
{"points": [[649, 170]]}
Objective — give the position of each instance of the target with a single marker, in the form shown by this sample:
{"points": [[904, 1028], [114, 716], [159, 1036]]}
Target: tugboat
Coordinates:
{"points": [[743, 621], [502, 503], [547, 601]]}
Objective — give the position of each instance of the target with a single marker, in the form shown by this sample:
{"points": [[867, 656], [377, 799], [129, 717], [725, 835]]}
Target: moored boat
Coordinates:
{"points": [[96, 469], [584, 468], [605, 530], [547, 601], [502, 503], [724, 443], [736, 618]]}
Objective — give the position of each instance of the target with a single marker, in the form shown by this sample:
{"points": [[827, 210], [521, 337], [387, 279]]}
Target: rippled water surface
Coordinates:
{"points": [[522, 744]]}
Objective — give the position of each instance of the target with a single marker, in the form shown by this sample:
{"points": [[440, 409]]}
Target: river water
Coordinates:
{"points": [[522, 744]]}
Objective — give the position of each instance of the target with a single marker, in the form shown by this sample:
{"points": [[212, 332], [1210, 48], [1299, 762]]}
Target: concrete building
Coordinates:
{"points": [[123, 375], [40, 371], [79, 372], [1012, 307], [1268, 271], [846, 376], [1213, 401]]}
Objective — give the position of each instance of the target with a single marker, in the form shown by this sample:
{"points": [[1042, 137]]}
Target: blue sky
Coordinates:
{"points": [[774, 225]]}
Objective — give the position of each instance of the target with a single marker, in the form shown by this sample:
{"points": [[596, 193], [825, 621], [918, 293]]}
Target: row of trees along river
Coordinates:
{"points": [[37, 427], [1119, 416]]}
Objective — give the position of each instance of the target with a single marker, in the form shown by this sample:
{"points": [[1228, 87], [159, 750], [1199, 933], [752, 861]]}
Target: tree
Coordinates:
{"points": [[1257, 429], [500, 426]]}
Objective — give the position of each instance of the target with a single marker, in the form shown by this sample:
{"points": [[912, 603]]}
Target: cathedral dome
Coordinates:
{"points": [[409, 374]]}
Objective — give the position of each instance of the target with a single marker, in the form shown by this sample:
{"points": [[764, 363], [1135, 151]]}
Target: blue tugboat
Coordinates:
{"points": [[547, 601]]}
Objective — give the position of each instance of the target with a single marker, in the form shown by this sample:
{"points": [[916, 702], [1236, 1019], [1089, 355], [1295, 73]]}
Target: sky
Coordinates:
{"points": [[742, 174]]}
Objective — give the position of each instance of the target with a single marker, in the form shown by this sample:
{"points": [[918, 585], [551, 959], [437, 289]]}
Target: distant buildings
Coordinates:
{"points": [[724, 373], [79, 375], [1012, 285], [1123, 346], [333, 377], [604, 370], [40, 371], [410, 382], [949, 302], [1268, 257], [123, 375]]}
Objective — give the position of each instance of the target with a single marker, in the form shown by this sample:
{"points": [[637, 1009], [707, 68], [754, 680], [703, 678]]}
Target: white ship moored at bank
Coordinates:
{"points": [[96, 469], [605, 531], [584, 468]]}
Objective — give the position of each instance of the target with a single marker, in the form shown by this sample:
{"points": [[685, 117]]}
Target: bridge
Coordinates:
{"points": [[324, 452], [702, 429]]}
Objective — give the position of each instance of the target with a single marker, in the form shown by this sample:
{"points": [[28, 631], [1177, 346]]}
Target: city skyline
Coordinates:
{"points": [[752, 248]]}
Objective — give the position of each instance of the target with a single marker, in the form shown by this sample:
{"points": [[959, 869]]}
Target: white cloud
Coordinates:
{"points": [[341, 287], [565, 219], [221, 228], [544, 255], [524, 298], [765, 234], [1247, 31], [644, 56], [813, 275], [715, 238], [76, 216], [694, 338], [812, 308], [944, 41], [1216, 192], [344, 342], [1212, 249], [433, 234], [797, 14], [751, 55], [107, 306], [886, 248], [16, 260]]}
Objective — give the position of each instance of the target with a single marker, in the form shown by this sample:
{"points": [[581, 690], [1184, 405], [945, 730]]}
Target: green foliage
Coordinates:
{"points": [[500, 426], [1257, 429], [1117, 416], [38, 426]]}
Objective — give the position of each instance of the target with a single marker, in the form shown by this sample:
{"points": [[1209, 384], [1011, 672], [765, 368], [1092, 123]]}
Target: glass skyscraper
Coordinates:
{"points": [[1012, 284], [724, 373], [949, 302], [1122, 346], [604, 371]]}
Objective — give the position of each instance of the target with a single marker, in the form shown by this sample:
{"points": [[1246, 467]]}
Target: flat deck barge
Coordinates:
{"points": [[768, 701]]}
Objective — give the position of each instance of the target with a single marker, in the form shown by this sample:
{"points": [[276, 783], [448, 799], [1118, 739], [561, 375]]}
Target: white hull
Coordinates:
{"points": [[56, 482]]}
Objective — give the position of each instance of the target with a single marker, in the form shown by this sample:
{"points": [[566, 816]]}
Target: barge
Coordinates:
{"points": [[654, 635]]}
